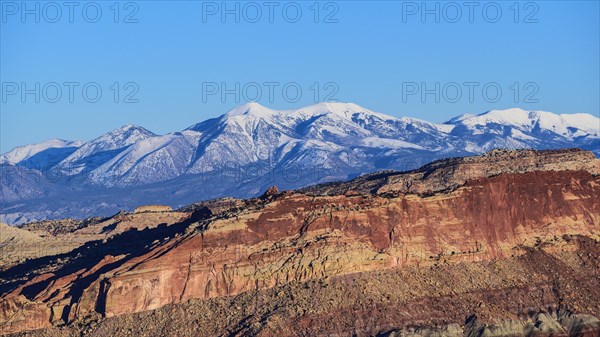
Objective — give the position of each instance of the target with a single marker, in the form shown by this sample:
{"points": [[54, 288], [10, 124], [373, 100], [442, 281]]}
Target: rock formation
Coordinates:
{"points": [[153, 208], [503, 244]]}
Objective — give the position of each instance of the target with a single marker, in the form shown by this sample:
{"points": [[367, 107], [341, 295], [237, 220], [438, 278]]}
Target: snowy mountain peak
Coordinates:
{"points": [[566, 125], [95, 152], [123, 136], [506, 116], [250, 108], [333, 107], [21, 153], [242, 151], [132, 128], [346, 111], [249, 133]]}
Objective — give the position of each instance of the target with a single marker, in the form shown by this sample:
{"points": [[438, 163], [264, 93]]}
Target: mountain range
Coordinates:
{"points": [[252, 147]]}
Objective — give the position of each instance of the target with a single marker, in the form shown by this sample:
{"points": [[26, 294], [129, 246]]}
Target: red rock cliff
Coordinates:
{"points": [[487, 215]]}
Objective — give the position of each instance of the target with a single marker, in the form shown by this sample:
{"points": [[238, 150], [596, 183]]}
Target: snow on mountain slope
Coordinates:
{"points": [[22, 153], [244, 135], [252, 133], [377, 142], [518, 128], [20, 183], [251, 147], [570, 126], [566, 125], [149, 160], [100, 150]]}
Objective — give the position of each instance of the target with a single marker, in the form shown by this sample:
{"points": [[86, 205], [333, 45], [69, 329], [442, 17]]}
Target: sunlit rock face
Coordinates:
{"points": [[508, 233]]}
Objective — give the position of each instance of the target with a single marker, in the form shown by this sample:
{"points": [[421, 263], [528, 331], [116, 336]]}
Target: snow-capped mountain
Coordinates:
{"points": [[42, 155], [568, 126], [150, 160], [517, 128], [250, 147], [93, 154]]}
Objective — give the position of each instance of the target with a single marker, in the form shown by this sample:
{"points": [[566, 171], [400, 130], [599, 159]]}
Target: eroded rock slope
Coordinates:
{"points": [[502, 244]]}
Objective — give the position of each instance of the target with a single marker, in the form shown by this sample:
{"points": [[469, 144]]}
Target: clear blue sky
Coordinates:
{"points": [[177, 48]]}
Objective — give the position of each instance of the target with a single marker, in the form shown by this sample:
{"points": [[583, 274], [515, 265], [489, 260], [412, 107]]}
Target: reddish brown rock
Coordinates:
{"points": [[468, 213]]}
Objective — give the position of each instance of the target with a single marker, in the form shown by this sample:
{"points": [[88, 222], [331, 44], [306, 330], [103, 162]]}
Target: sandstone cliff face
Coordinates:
{"points": [[466, 211], [516, 295], [447, 174]]}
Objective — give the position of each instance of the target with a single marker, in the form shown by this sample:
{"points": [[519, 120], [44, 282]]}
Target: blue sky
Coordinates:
{"points": [[172, 60]]}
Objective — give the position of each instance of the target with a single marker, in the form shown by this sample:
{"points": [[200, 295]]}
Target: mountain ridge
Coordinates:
{"points": [[244, 150], [253, 107]]}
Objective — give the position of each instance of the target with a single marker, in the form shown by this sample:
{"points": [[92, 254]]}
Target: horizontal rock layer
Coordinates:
{"points": [[463, 215]]}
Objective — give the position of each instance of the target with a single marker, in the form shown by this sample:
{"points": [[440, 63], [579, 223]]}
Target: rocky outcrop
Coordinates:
{"points": [[153, 208], [447, 174], [461, 214], [500, 296]]}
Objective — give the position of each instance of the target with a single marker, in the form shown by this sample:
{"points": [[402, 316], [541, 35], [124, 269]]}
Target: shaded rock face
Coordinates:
{"points": [[466, 213]]}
